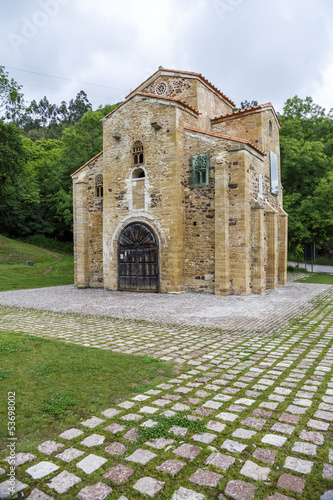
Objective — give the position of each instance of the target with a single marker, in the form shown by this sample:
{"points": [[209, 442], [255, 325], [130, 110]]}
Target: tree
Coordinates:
{"points": [[306, 170], [11, 98]]}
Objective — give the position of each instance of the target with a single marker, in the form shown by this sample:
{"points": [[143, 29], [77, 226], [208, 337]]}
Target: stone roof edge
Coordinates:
{"points": [[235, 114], [190, 73], [228, 137], [154, 96], [86, 164]]}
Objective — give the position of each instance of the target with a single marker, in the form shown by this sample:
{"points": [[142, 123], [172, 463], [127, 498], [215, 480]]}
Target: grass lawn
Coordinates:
{"points": [[57, 384], [320, 278], [49, 269]]}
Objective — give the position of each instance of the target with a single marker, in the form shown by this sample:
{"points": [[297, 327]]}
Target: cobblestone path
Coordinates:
{"points": [[250, 416]]}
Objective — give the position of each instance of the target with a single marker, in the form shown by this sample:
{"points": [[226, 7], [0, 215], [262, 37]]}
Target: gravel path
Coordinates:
{"points": [[242, 313]]}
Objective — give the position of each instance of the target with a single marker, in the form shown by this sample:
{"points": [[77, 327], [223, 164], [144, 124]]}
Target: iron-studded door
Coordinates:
{"points": [[138, 259]]}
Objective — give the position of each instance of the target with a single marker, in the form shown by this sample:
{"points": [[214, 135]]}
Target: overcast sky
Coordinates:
{"points": [[264, 50]]}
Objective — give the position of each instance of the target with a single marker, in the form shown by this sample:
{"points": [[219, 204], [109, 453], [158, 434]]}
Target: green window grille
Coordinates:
{"points": [[199, 170]]}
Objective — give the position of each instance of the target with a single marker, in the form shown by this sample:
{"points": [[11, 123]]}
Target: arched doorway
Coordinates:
{"points": [[138, 259]]}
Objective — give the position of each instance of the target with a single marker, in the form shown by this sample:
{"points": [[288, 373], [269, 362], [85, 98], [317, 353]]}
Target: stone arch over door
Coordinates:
{"points": [[138, 258]]}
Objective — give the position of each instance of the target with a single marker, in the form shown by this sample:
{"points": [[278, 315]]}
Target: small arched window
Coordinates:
{"points": [[138, 173], [99, 186], [137, 153], [270, 128]]}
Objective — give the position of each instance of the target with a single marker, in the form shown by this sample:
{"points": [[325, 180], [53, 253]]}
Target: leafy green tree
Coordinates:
{"points": [[11, 98]]}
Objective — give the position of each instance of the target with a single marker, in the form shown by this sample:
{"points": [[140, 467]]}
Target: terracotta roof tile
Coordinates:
{"points": [[224, 136], [234, 114], [89, 161], [199, 75], [155, 96]]}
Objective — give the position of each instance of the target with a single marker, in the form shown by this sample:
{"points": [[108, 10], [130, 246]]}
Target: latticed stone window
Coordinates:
{"points": [[137, 153], [99, 186], [199, 170]]}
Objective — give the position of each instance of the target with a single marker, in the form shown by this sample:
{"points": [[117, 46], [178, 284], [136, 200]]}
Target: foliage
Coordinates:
{"points": [[11, 98], [307, 170]]}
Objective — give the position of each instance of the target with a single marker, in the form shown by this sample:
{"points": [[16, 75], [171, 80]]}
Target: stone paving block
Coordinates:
{"points": [[233, 446], [316, 437], [141, 456], [131, 435], [303, 402], [215, 405], [2, 471], [267, 456], [255, 423], [205, 437], [262, 413], [20, 459], [161, 402], [318, 424], [205, 478], [140, 397], [296, 410], [178, 431], [298, 465], [220, 461], [70, 454], [215, 426], [127, 404], [291, 482], [228, 417], [278, 496], [222, 397], [37, 494], [269, 405], [93, 440], [70, 434], [189, 451], [237, 408], [283, 428], [116, 449], [63, 482], [109, 413], [42, 469], [240, 490], [305, 448], [328, 495], [171, 467], [243, 434], [159, 443], [148, 486], [274, 440], [98, 491], [114, 428], [325, 415], [91, 463], [330, 455], [49, 447], [119, 473], [254, 471], [245, 401], [92, 422], [203, 411], [150, 410], [328, 471], [186, 494], [6, 487], [132, 417], [290, 419]]}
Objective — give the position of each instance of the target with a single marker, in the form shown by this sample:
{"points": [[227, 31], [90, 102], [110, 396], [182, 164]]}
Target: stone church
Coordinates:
{"points": [[185, 196]]}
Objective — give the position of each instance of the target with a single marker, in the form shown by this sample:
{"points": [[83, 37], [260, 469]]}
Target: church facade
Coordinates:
{"points": [[185, 196]]}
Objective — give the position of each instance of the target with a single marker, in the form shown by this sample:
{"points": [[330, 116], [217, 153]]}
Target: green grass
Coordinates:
{"points": [[49, 269], [320, 278], [57, 384]]}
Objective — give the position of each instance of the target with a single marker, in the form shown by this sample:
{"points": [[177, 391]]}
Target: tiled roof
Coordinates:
{"points": [[234, 114], [224, 136], [199, 75], [89, 161], [155, 96], [145, 94]]}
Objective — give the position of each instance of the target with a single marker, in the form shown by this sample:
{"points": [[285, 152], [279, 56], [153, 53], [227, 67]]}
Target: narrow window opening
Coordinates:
{"points": [[137, 152], [270, 128], [138, 173], [99, 186]]}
